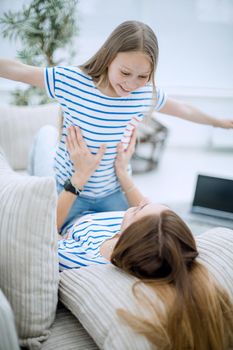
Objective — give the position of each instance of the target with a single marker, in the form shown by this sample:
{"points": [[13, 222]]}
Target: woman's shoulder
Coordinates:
{"points": [[101, 218], [104, 216]]}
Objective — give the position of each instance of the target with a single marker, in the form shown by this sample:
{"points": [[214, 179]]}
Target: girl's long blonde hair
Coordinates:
{"points": [[128, 36], [196, 314]]}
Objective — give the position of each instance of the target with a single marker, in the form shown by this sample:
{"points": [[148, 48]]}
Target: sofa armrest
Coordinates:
{"points": [[8, 335]]}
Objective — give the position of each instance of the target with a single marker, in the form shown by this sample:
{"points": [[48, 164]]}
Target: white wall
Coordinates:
{"points": [[196, 48], [196, 51]]}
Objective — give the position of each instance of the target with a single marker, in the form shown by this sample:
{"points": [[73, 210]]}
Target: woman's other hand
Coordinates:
{"points": [[124, 156]]}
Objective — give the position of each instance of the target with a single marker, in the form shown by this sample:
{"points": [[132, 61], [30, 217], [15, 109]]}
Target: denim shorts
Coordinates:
{"points": [[83, 205]]}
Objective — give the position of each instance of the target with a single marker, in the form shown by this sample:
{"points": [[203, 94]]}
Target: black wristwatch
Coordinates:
{"points": [[68, 186]]}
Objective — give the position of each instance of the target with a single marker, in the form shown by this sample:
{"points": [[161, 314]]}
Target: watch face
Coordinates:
{"points": [[70, 188]]}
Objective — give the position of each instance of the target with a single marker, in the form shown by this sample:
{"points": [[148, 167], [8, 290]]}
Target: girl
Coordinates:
{"points": [[106, 97], [148, 241]]}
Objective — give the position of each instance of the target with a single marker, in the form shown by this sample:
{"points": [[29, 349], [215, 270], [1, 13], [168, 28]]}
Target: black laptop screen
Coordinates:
{"points": [[214, 193]]}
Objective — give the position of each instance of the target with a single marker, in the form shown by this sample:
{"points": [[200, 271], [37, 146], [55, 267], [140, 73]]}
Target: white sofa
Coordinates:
{"points": [[30, 284]]}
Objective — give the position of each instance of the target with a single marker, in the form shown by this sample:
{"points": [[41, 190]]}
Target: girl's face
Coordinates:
{"points": [[145, 208], [128, 72]]}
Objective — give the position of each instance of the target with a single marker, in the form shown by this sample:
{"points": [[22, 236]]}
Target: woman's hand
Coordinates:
{"points": [[124, 156], [85, 163]]}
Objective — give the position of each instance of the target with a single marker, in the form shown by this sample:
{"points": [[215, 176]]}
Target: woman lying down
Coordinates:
{"points": [[151, 242]]}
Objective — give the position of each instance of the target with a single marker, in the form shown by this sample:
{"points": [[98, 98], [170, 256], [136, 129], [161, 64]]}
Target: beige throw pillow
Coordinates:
{"points": [[18, 125], [94, 294], [28, 252]]}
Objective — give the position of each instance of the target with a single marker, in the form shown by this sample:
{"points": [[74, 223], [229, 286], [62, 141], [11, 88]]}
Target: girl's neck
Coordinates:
{"points": [[106, 89]]}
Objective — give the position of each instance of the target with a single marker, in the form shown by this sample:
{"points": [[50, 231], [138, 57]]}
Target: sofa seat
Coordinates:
{"points": [[68, 333]]}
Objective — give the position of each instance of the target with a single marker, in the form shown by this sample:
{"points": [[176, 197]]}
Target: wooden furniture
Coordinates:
{"points": [[152, 137]]}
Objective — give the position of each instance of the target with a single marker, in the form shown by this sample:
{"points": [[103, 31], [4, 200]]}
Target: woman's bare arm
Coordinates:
{"points": [[133, 194], [85, 164]]}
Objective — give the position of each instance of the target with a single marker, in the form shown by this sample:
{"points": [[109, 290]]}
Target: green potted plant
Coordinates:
{"points": [[43, 27]]}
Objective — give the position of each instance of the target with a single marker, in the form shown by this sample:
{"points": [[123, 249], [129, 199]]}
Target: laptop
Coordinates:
{"points": [[213, 201]]}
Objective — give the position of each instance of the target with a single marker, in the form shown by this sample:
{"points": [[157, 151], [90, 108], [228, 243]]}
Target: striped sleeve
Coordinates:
{"points": [[161, 99], [50, 81], [72, 254]]}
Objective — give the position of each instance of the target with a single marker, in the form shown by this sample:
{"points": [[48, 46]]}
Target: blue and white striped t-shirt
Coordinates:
{"points": [[102, 119], [81, 247]]}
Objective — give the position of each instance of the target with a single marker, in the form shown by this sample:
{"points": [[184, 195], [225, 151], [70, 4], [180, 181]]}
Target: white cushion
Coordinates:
{"points": [[28, 252], [18, 126], [94, 294], [215, 248], [8, 336]]}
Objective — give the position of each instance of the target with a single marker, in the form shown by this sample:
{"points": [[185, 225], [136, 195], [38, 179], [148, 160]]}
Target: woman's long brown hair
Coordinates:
{"points": [[197, 314]]}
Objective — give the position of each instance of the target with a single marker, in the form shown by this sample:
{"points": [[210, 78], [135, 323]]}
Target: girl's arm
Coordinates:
{"points": [[14, 70], [133, 195], [85, 163], [190, 113]]}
